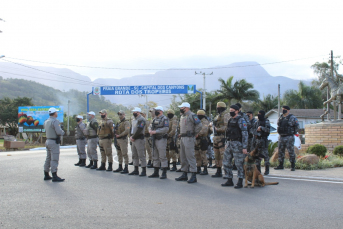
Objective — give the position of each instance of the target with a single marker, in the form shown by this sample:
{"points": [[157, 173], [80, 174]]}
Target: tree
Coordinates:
{"points": [[307, 97], [240, 91], [9, 112], [267, 103]]}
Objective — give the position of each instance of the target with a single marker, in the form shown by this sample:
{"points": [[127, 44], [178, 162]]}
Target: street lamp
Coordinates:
{"points": [[68, 132]]}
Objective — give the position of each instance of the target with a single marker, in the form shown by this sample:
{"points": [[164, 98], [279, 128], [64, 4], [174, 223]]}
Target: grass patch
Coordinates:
{"points": [[1, 142], [331, 161]]}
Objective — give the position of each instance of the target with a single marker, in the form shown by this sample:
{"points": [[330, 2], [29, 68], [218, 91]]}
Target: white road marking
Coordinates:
{"points": [[321, 181]]}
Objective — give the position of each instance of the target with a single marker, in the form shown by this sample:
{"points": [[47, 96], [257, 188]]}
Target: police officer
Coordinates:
{"points": [[92, 140], [159, 131], [81, 141], [122, 132], [138, 143], [219, 129], [146, 139], [261, 130], [171, 144], [105, 133], [287, 126], [190, 126], [252, 121], [201, 144], [237, 137], [53, 132]]}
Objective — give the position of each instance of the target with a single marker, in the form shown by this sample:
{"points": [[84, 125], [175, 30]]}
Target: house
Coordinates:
{"points": [[304, 116], [3, 130]]}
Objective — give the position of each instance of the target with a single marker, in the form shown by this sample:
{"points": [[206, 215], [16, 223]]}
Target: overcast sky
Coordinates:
{"points": [[169, 34]]}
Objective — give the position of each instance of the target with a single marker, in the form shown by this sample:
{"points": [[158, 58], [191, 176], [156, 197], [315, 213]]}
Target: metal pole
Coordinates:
{"points": [[68, 132], [334, 102], [201, 105], [209, 110], [88, 101], [204, 95], [328, 104], [278, 100]]}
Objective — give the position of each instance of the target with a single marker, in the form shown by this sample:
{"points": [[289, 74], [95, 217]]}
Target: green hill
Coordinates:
{"points": [[47, 96]]}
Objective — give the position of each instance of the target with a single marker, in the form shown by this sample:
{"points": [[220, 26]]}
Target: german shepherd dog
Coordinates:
{"points": [[251, 172]]}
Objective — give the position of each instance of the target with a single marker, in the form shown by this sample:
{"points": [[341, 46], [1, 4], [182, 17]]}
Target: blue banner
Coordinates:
{"points": [[31, 119], [144, 90]]}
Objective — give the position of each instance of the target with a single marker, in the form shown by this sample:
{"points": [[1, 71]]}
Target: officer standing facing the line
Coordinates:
{"points": [[261, 130], [171, 141], [138, 143], [252, 121], [122, 132], [105, 133], [92, 140], [190, 126], [287, 126], [219, 128], [146, 139], [237, 137], [53, 132], [159, 129], [201, 144], [81, 141]]}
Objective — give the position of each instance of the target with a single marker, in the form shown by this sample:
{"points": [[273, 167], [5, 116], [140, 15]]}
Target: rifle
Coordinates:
{"points": [[115, 127]]}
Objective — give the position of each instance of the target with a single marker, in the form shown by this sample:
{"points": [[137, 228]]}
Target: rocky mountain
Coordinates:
{"points": [[65, 79]]}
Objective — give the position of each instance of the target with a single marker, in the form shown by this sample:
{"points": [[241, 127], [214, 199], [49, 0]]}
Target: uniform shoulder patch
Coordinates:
{"points": [[244, 124], [196, 119], [166, 123], [141, 124]]}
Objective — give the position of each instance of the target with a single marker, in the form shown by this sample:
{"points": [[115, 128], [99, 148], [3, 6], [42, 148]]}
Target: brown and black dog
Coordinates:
{"points": [[251, 172]]}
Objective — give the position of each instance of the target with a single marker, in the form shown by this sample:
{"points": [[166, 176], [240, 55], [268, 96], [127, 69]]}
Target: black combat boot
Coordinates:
{"points": [[193, 178], [119, 169], [178, 162], [149, 165], [168, 168], [179, 170], [204, 172], [135, 172], [55, 178], [292, 166], [266, 171], [95, 164], [47, 176], [174, 167], [218, 173], [155, 174], [228, 182], [214, 166], [143, 173], [109, 169], [102, 167], [83, 163], [131, 163], [126, 170], [77, 164], [239, 183], [210, 163], [280, 165], [183, 177], [198, 170], [90, 164], [164, 174]]}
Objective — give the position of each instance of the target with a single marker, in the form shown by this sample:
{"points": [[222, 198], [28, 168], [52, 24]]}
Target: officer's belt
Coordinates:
{"points": [[83, 138], [235, 139], [122, 137], [286, 135], [160, 136], [147, 135], [92, 137], [187, 135], [220, 135], [105, 138], [140, 136], [52, 139], [260, 137]]}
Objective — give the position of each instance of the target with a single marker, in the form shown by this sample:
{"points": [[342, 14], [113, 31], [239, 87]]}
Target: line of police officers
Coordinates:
{"points": [[235, 134]]}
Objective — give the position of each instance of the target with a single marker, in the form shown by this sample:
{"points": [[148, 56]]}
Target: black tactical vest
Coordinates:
{"points": [[263, 124], [234, 133], [283, 127]]}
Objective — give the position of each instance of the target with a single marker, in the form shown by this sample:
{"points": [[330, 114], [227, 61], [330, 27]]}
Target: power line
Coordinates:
{"points": [[163, 69]]}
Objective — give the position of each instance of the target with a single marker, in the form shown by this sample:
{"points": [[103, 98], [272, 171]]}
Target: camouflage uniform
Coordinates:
{"points": [[171, 154], [287, 127], [220, 123], [237, 141], [200, 154], [261, 140], [147, 140], [123, 130]]}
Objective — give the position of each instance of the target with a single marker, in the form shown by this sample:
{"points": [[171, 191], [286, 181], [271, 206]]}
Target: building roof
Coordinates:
{"points": [[304, 113]]}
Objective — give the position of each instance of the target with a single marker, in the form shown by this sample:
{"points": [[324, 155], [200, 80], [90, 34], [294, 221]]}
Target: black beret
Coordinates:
{"points": [[234, 107], [286, 107], [262, 112], [238, 105]]}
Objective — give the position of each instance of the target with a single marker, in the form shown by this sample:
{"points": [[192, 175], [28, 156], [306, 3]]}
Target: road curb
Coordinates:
{"points": [[307, 178]]}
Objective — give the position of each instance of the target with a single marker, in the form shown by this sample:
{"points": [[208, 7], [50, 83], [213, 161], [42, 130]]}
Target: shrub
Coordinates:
{"points": [[317, 149], [271, 148], [338, 150]]}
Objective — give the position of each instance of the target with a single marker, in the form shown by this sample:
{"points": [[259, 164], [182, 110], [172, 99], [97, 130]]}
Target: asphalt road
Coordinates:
{"points": [[99, 199]]}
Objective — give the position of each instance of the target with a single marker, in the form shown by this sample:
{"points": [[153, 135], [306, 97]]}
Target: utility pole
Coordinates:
{"points": [[68, 132], [334, 102], [209, 110], [204, 94], [278, 100]]}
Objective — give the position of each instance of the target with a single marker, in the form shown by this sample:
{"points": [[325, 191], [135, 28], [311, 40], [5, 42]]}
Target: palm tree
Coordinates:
{"points": [[305, 98], [239, 91], [269, 102]]}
